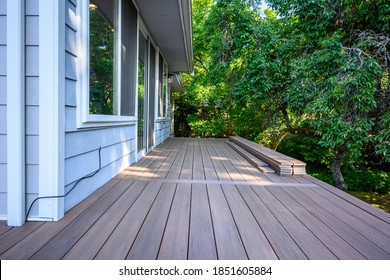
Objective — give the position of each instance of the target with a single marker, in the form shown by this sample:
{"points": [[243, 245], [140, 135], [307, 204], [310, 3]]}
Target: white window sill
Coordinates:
{"points": [[93, 121]]}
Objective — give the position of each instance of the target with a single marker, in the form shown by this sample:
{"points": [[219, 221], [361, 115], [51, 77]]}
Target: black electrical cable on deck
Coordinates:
{"points": [[78, 181]]}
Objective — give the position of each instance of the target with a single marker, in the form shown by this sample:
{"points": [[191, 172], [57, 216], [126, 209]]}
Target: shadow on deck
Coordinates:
{"points": [[200, 199]]}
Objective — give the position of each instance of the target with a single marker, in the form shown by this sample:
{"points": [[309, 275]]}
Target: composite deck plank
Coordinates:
{"points": [[370, 232], [227, 238], [220, 170], [174, 245], [174, 172], [247, 170], [187, 167], [201, 232], [16, 235], [36, 240], [274, 178], [284, 246], [345, 230], [359, 216], [306, 240], [232, 170], [119, 243], [353, 200], [158, 161], [169, 155], [208, 166], [4, 228], [338, 246], [215, 213], [198, 170], [147, 243], [143, 167], [91, 242], [255, 242], [67, 238]]}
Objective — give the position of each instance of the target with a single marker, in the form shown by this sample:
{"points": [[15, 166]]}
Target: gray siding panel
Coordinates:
{"points": [[3, 7], [32, 120], [88, 186], [32, 178], [3, 207], [3, 119], [32, 103], [70, 116], [32, 30], [3, 60], [70, 40], [32, 149], [70, 15], [85, 141], [70, 93], [3, 109], [3, 176], [3, 30], [32, 7], [3, 90], [32, 91], [32, 61], [70, 66], [3, 149]]}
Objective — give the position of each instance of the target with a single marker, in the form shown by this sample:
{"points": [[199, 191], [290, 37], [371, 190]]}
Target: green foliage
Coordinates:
{"points": [[383, 138], [183, 109], [368, 180], [311, 77], [214, 127], [339, 88], [101, 80], [305, 148], [363, 180]]}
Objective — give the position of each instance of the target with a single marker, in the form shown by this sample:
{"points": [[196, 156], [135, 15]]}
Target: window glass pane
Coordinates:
{"points": [[152, 94], [165, 89], [160, 86], [102, 65], [128, 58], [142, 62]]}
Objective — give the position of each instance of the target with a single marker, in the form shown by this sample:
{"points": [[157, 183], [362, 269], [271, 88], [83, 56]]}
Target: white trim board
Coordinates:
{"points": [[51, 107], [16, 157]]}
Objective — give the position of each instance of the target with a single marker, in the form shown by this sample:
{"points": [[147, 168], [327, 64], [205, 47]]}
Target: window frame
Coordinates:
{"points": [[85, 119], [162, 102]]}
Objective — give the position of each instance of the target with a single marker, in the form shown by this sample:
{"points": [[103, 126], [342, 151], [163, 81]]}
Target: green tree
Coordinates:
{"points": [[318, 67]]}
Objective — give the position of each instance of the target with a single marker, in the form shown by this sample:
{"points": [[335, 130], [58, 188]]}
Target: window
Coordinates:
{"points": [[163, 87], [142, 90], [109, 56], [102, 59]]}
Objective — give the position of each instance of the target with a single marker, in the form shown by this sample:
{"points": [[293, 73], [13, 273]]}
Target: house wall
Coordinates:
{"points": [[32, 102], [118, 143], [3, 109], [163, 126]]}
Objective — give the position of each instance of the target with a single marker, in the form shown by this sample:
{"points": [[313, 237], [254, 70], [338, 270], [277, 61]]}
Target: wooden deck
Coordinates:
{"points": [[199, 199]]}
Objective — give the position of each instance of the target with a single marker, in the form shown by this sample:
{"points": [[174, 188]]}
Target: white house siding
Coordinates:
{"points": [[3, 109], [32, 102], [118, 143]]}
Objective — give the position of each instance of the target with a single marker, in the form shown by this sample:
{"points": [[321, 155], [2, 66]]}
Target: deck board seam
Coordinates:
{"points": [[213, 182]]}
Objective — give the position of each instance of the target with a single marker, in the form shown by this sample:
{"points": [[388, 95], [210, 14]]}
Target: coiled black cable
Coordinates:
{"points": [[77, 182]]}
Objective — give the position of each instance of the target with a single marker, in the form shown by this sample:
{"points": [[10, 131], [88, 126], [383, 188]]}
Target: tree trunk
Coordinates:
{"points": [[340, 151]]}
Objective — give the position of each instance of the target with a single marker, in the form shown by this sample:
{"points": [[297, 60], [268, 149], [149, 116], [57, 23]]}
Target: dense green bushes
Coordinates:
{"points": [[317, 70], [318, 160]]}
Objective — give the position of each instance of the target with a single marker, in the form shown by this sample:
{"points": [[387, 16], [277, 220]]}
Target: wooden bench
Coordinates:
{"points": [[282, 164]]}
